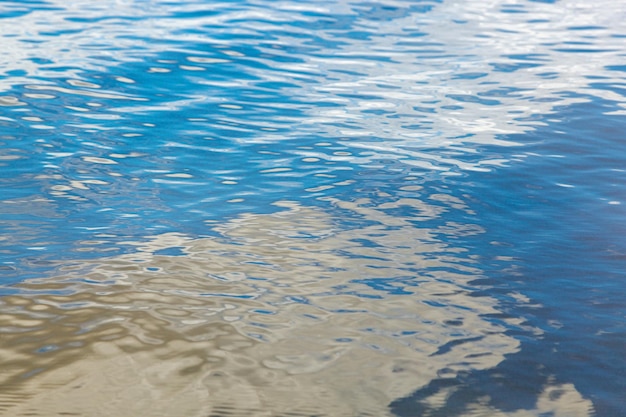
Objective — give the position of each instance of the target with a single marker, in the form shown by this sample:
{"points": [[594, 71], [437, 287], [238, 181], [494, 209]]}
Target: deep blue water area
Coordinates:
{"points": [[316, 208], [566, 253]]}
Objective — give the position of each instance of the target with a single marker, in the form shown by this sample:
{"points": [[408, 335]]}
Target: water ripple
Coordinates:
{"points": [[307, 208]]}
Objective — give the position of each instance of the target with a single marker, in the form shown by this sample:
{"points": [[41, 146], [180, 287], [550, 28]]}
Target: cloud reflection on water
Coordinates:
{"points": [[281, 313]]}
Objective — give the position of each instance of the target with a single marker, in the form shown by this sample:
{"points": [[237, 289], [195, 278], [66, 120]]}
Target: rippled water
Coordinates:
{"points": [[312, 208]]}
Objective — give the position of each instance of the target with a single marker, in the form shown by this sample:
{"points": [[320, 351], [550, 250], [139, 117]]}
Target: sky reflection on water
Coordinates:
{"points": [[321, 208]]}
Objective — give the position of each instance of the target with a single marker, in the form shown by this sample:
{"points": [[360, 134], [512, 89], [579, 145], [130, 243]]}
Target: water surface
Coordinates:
{"points": [[312, 208]]}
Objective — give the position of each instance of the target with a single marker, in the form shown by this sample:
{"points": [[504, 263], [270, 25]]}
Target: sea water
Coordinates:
{"points": [[312, 208]]}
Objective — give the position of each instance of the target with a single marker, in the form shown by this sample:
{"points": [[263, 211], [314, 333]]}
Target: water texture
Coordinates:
{"points": [[312, 208]]}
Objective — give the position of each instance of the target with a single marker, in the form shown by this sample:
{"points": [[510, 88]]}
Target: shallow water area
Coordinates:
{"points": [[401, 208]]}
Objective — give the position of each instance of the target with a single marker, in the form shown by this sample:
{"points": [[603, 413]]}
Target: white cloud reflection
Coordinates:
{"points": [[276, 315], [469, 73]]}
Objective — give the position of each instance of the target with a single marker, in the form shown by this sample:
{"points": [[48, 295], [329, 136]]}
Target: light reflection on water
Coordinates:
{"points": [[282, 313], [246, 208]]}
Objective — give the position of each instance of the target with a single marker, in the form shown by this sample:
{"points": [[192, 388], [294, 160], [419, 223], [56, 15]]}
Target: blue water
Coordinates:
{"points": [[404, 208]]}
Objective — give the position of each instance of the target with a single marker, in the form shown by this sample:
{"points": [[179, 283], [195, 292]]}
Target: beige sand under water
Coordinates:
{"points": [[265, 320]]}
